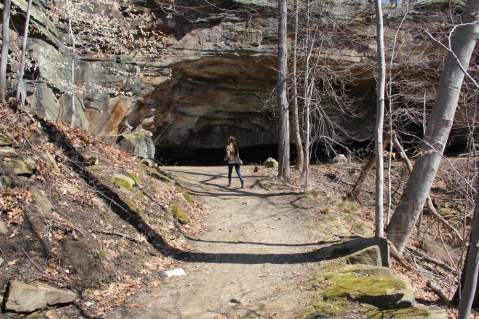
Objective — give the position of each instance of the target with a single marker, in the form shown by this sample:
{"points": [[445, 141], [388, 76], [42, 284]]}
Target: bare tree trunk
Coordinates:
{"points": [[307, 144], [283, 156], [417, 189], [5, 46], [21, 71], [429, 203], [295, 111], [70, 13], [380, 88], [307, 105], [471, 267]]}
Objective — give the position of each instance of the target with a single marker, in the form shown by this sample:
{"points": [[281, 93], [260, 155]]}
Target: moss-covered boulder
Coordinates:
{"points": [[358, 291], [7, 151], [24, 167], [122, 181], [180, 214], [5, 140], [378, 286]]}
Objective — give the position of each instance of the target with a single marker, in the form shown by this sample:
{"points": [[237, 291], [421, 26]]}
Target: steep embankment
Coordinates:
{"points": [[78, 214]]}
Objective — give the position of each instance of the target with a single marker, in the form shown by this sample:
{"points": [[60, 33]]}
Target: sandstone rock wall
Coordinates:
{"points": [[194, 73], [204, 78]]}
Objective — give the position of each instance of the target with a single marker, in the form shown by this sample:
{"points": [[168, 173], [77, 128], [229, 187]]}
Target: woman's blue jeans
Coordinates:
{"points": [[238, 172]]}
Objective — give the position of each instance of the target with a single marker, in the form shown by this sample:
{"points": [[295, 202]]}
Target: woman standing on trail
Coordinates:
{"points": [[233, 159]]}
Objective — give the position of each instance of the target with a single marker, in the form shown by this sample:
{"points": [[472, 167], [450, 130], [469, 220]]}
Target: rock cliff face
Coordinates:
{"points": [[191, 77], [191, 72]]}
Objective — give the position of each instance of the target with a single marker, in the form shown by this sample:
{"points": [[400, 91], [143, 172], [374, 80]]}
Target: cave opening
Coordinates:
{"points": [[256, 155], [251, 155]]}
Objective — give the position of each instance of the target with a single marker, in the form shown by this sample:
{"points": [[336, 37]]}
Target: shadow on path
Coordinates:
{"points": [[79, 164], [228, 191], [333, 251], [260, 244]]}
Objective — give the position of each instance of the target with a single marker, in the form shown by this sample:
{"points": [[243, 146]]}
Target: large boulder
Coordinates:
{"points": [[378, 286], [139, 143], [368, 292], [28, 298], [24, 167], [367, 256]]}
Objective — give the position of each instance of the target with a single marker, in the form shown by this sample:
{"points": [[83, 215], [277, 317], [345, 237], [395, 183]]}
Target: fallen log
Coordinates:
{"points": [[364, 172], [438, 291], [430, 259]]}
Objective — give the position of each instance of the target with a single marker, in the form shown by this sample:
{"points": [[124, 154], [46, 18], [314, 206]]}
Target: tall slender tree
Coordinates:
{"points": [[21, 70], [380, 89], [295, 111], [283, 156], [307, 89], [72, 37], [471, 268], [5, 46], [463, 41]]}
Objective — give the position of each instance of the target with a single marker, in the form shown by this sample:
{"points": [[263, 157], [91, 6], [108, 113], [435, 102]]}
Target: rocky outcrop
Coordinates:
{"points": [[191, 73], [138, 143], [207, 70]]}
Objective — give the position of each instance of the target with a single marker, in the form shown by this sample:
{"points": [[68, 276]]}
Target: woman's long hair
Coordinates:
{"points": [[233, 141]]}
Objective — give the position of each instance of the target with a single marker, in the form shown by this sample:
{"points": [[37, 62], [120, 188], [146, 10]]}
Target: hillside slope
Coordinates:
{"points": [[77, 213]]}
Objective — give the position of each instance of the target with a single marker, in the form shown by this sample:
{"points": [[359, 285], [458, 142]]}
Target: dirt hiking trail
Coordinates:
{"points": [[252, 261]]}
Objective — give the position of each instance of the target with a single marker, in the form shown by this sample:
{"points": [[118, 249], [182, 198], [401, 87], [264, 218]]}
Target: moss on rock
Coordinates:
{"points": [[180, 214], [135, 177], [7, 151], [5, 140], [406, 313], [123, 181], [329, 308], [24, 167], [187, 196], [377, 286]]}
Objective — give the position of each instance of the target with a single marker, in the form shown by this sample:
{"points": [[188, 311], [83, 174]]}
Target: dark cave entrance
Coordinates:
{"points": [[256, 155], [251, 155]]}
